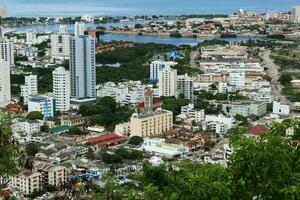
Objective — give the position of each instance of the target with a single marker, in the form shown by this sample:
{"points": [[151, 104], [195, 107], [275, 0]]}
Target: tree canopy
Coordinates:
{"points": [[34, 115]]}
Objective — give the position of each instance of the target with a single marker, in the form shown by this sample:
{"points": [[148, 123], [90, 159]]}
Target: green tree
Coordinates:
{"points": [[9, 151], [256, 166], [74, 130], [45, 128], [31, 149], [136, 140], [35, 115]]}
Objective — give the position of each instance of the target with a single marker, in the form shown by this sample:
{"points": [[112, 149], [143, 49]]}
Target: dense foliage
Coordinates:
{"points": [[34, 115], [31, 149], [105, 112], [173, 104], [75, 131], [134, 62], [9, 151], [136, 140]]}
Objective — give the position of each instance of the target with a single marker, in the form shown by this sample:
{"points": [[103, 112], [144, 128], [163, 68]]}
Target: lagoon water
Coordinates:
{"points": [[124, 37], [139, 7]]}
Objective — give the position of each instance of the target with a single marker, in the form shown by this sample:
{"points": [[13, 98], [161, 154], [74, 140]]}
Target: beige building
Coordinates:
{"points": [[167, 82], [54, 175], [123, 129], [70, 120], [151, 124], [212, 78], [27, 182], [296, 14]]}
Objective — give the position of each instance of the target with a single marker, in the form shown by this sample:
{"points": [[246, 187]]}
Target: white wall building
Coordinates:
{"points": [[296, 14], [30, 37], [159, 146], [219, 124], [185, 85], [281, 109], [44, 104], [61, 88], [60, 44], [83, 67], [189, 112], [26, 126], [158, 65], [5, 90], [167, 82], [80, 27], [29, 88], [2, 11], [237, 79], [7, 51]]}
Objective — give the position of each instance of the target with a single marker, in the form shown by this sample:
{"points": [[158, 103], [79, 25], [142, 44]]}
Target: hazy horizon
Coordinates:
{"points": [[139, 7]]}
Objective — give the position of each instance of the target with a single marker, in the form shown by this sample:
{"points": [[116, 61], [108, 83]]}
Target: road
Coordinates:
{"points": [[193, 59], [273, 73]]}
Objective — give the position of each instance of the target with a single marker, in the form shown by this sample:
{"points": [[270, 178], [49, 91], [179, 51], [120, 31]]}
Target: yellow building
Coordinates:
{"points": [[151, 124], [212, 78], [72, 120]]}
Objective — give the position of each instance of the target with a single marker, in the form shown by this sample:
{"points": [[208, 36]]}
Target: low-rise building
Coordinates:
{"points": [[159, 146], [27, 182], [72, 120], [26, 126], [211, 78], [43, 104], [244, 108], [189, 112], [281, 109], [123, 129], [219, 123]]}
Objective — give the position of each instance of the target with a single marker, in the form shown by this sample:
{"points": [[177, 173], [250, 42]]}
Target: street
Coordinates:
{"points": [[273, 73]]}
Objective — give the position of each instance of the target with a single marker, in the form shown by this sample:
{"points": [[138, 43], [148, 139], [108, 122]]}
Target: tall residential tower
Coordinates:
{"points": [[61, 88], [83, 67]]}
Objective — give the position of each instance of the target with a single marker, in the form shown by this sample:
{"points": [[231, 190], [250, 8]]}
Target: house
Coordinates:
{"points": [[96, 172]]}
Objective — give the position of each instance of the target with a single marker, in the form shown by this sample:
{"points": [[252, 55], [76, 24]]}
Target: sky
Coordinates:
{"points": [[139, 7]]}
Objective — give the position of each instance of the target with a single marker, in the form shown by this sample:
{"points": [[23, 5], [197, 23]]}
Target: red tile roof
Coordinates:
{"points": [[109, 139], [257, 130]]}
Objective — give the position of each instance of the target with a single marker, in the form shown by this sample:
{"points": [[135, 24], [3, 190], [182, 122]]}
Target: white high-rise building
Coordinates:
{"points": [[296, 14], [63, 28], [7, 51], [30, 36], [155, 66], [80, 27], [1, 32], [186, 86], [5, 91], [60, 44], [167, 82], [2, 11], [83, 67], [29, 88], [61, 88]]}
